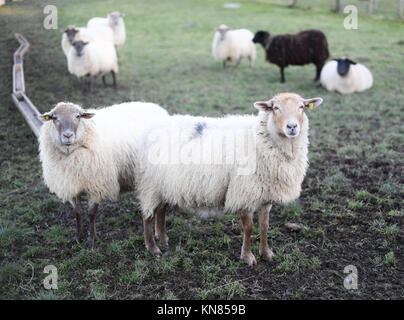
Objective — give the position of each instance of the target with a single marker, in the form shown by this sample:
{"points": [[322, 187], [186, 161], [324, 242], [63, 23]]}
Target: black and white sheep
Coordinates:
{"points": [[346, 76], [309, 46]]}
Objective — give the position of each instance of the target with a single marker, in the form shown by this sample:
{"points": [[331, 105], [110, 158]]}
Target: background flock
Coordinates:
{"points": [[92, 51]]}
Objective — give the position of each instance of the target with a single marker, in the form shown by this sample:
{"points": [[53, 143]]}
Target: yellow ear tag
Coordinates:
{"points": [[47, 117], [311, 105]]}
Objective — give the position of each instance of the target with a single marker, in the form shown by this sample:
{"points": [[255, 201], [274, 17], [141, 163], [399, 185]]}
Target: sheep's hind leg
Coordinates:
{"points": [[282, 75], [248, 225], [264, 250], [114, 79], [318, 72], [104, 82], [160, 225], [148, 237], [78, 212], [92, 214]]}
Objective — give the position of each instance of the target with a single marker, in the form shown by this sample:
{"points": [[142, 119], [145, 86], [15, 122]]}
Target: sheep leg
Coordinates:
{"points": [[148, 237], [224, 64], [264, 250], [251, 62], [282, 75], [92, 214], [77, 211], [104, 82], [160, 225], [246, 254], [318, 72], [113, 78], [238, 62]]}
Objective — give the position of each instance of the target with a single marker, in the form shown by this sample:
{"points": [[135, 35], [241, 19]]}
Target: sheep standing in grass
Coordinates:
{"points": [[114, 20], [86, 59], [346, 76], [233, 45], [236, 164], [71, 34], [92, 153], [309, 46]]}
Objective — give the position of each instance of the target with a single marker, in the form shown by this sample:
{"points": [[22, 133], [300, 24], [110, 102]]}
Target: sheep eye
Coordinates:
{"points": [[301, 107], [275, 108]]}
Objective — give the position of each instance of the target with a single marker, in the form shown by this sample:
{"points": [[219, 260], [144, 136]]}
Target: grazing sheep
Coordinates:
{"points": [[92, 153], [236, 164], [71, 34], [232, 45], [309, 46], [86, 59], [346, 76], [114, 20]]}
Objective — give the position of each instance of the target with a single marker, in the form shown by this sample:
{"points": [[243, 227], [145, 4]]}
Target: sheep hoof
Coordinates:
{"points": [[163, 239], [155, 251], [90, 243], [248, 258], [267, 255]]}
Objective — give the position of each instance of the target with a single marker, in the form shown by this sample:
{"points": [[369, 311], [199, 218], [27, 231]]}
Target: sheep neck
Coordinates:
{"points": [[270, 141]]}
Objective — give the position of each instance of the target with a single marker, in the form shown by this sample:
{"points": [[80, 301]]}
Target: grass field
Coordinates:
{"points": [[352, 200]]}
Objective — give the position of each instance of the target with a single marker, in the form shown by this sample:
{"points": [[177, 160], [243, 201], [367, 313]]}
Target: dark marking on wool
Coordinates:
{"points": [[199, 127]]}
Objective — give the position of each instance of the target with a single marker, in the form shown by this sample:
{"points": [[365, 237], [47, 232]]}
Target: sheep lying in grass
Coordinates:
{"points": [[114, 20], [309, 46], [86, 59], [232, 45], [236, 164], [71, 34], [92, 153], [346, 76]]}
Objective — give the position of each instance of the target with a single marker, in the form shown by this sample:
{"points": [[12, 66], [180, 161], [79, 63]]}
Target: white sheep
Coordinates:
{"points": [[86, 59], [236, 164], [346, 76], [232, 45], [92, 152], [114, 20]]}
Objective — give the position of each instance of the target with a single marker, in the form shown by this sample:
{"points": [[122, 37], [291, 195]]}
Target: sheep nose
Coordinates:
{"points": [[291, 125], [67, 135]]}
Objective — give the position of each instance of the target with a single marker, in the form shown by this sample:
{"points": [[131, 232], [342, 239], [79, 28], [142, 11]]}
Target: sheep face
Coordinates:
{"points": [[71, 32], [222, 30], [114, 18], [261, 37], [66, 131], [79, 47], [287, 112], [343, 66]]}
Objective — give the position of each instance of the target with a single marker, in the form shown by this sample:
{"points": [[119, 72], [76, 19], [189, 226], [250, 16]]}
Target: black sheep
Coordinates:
{"points": [[309, 46]]}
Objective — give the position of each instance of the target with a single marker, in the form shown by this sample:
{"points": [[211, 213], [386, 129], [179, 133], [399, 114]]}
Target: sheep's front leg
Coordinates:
{"points": [[78, 212], [264, 250], [149, 238], [160, 225], [92, 214], [246, 254]]}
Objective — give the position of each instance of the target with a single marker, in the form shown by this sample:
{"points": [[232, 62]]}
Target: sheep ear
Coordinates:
{"points": [[313, 103], [351, 61], [122, 14], [263, 105], [87, 115], [46, 116]]}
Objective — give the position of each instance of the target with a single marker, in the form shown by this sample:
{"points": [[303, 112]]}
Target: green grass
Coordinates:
{"points": [[352, 198]]}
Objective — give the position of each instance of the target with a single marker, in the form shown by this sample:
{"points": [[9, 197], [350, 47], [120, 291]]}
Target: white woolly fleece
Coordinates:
{"points": [[104, 156], [119, 31], [99, 57], [237, 44], [358, 79], [279, 164]]}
